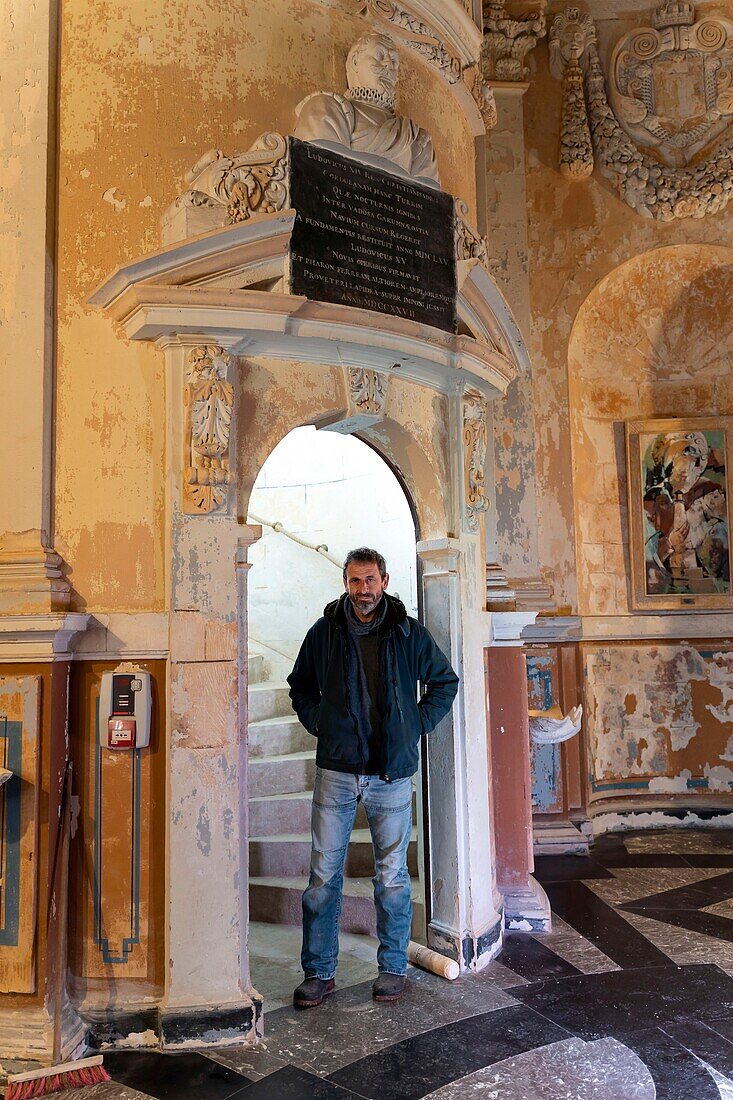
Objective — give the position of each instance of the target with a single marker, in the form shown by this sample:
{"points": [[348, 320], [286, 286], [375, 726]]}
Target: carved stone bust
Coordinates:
{"points": [[364, 119]]}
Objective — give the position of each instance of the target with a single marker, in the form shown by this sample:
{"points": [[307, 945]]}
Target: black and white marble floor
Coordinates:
{"points": [[630, 997]]}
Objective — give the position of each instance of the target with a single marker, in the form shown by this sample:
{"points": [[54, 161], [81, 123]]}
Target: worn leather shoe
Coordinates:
{"points": [[311, 992], [388, 987]]}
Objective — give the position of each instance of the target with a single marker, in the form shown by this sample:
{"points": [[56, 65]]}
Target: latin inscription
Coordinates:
{"points": [[369, 239]]}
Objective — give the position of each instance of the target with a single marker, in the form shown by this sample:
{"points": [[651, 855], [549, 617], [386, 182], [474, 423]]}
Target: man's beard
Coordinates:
{"points": [[362, 608]]}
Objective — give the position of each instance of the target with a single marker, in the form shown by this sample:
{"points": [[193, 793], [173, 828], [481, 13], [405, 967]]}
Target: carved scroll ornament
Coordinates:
{"points": [[368, 391], [248, 183], [672, 93], [470, 244], [475, 408], [508, 40], [209, 399]]}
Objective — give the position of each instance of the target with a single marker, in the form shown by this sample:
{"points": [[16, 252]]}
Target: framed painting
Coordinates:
{"points": [[679, 513]]}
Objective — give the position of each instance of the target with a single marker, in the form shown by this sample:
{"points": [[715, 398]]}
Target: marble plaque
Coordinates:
{"points": [[370, 239]]}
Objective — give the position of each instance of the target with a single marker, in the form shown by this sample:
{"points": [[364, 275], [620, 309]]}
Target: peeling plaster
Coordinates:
{"points": [[660, 713]]}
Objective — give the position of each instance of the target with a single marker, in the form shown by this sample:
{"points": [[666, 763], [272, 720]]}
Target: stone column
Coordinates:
{"points": [[465, 920], [513, 550], [208, 997], [526, 907], [30, 574]]}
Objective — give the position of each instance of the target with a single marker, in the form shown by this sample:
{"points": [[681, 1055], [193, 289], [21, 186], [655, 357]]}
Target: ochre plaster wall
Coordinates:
{"points": [[276, 397], [654, 339], [145, 90], [578, 234], [659, 719]]}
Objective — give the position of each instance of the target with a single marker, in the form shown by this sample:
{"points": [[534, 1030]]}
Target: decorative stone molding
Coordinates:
{"points": [[702, 52], [571, 34], [225, 190], [209, 399], [475, 408], [671, 85], [483, 94], [470, 244], [368, 390], [31, 577], [508, 40]]}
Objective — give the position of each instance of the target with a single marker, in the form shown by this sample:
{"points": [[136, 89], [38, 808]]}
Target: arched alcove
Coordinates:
{"points": [[654, 340]]}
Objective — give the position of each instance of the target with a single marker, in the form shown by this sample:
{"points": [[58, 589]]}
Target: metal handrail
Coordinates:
{"points": [[277, 526]]}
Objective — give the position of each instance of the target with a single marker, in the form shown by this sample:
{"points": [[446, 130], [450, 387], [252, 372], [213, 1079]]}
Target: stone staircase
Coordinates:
{"points": [[281, 778]]}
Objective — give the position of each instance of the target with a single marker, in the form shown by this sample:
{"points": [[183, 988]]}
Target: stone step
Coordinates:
{"points": [[288, 813], [278, 736], [288, 854], [291, 813], [277, 900], [290, 773], [268, 700], [255, 668]]}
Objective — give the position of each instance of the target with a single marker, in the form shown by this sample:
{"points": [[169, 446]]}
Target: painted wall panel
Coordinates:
{"points": [[20, 729], [660, 718]]}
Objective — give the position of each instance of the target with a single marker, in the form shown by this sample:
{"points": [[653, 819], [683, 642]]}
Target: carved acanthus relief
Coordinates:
{"points": [[470, 244], [670, 91], [475, 408], [571, 35], [209, 399], [508, 39], [255, 182], [368, 391]]}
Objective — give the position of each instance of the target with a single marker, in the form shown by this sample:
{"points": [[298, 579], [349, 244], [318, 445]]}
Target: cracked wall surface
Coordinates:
{"points": [[579, 232], [146, 89], [660, 718]]}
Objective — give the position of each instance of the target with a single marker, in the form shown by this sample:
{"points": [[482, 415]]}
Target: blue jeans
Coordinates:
{"points": [[389, 813]]}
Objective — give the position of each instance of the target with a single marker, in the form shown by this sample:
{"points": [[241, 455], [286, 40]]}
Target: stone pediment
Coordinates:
{"points": [[207, 288], [230, 274]]}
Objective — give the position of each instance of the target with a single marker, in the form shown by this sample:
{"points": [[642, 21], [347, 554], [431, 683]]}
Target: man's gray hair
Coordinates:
{"points": [[363, 555]]}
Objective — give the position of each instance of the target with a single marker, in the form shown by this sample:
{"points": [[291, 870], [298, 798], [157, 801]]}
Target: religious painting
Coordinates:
{"points": [[679, 512]]}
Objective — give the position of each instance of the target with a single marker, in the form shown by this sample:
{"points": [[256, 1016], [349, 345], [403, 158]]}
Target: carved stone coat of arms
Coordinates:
{"points": [[671, 84]]}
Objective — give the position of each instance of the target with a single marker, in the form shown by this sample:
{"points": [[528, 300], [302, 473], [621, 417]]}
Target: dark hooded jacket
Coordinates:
{"points": [[319, 689]]}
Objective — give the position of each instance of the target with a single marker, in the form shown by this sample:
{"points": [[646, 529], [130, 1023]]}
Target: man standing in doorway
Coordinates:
{"points": [[354, 687]]}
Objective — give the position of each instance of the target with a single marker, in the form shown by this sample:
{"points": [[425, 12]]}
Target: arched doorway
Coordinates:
{"points": [[317, 495]]}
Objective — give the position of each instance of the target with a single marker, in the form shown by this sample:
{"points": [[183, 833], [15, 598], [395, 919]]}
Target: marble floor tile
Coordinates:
{"points": [[106, 1090], [594, 1006], [705, 1042], [184, 1076], [275, 961], [564, 940], [630, 883], [293, 1083], [603, 925], [682, 945], [679, 841], [349, 1025], [568, 868], [695, 895], [677, 1073], [418, 1066], [568, 1070], [533, 959]]}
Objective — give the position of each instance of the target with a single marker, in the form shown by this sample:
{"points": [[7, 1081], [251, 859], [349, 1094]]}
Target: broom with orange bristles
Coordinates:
{"points": [[86, 1071]]}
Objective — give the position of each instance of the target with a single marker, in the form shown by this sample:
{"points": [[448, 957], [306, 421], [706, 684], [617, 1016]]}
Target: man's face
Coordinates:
{"points": [[376, 67], [365, 587]]}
